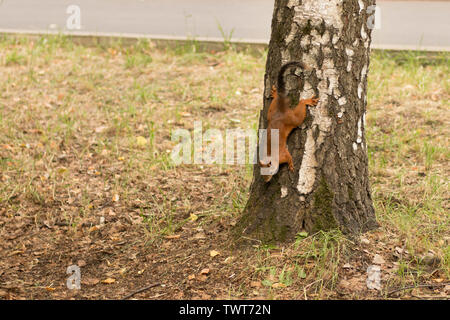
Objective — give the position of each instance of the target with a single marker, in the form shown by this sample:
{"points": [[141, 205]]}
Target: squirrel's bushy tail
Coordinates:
{"points": [[281, 84]]}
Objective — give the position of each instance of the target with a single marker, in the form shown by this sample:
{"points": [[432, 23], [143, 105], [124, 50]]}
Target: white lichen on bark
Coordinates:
{"points": [[318, 11], [307, 173], [335, 39], [360, 90], [284, 192], [364, 72], [361, 5], [364, 35], [362, 79], [359, 138], [350, 54], [342, 101]]}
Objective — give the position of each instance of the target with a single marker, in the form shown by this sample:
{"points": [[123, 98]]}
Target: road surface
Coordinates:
{"points": [[404, 25]]}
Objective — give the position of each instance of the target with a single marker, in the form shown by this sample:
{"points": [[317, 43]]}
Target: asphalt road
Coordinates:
{"points": [[407, 25]]}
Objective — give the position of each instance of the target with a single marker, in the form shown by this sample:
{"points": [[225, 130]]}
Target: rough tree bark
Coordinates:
{"points": [[329, 187]]}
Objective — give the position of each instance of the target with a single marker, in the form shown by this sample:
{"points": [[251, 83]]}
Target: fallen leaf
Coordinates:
{"points": [[16, 252], [81, 263], [61, 170], [90, 281], [174, 236], [447, 289], [398, 252], [191, 277], [255, 284], [377, 259], [204, 271], [50, 289], [193, 217], [214, 253], [122, 271], [202, 278], [198, 236], [365, 240], [7, 147], [101, 129], [141, 141], [344, 284], [93, 228], [228, 260], [409, 87], [278, 285], [353, 284], [109, 281]]}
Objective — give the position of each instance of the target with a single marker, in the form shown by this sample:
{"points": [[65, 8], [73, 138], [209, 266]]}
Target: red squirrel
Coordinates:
{"points": [[280, 116]]}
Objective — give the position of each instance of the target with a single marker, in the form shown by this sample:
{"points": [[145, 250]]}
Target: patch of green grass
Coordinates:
{"points": [[311, 259], [14, 58]]}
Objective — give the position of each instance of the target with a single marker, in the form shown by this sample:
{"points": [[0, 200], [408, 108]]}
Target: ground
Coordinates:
{"points": [[86, 178]]}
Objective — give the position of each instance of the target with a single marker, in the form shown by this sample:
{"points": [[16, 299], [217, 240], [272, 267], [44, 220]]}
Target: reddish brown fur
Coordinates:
{"points": [[280, 116]]}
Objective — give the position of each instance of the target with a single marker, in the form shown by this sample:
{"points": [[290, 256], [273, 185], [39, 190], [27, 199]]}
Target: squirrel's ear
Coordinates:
{"points": [[273, 91]]}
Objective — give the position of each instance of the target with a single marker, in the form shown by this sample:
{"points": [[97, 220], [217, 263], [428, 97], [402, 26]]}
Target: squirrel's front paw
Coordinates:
{"points": [[314, 101]]}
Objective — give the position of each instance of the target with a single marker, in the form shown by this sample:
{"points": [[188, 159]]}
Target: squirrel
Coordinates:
{"points": [[280, 116]]}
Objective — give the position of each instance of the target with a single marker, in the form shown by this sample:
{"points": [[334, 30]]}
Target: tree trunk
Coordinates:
{"points": [[329, 187]]}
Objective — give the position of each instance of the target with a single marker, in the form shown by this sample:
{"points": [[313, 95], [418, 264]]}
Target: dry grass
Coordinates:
{"points": [[79, 184]]}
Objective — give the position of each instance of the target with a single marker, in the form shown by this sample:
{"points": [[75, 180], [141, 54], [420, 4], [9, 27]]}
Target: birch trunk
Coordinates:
{"points": [[329, 187]]}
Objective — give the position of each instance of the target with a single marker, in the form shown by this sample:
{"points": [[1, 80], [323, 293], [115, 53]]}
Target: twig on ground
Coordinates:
{"points": [[141, 290], [305, 289], [431, 297], [437, 285]]}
